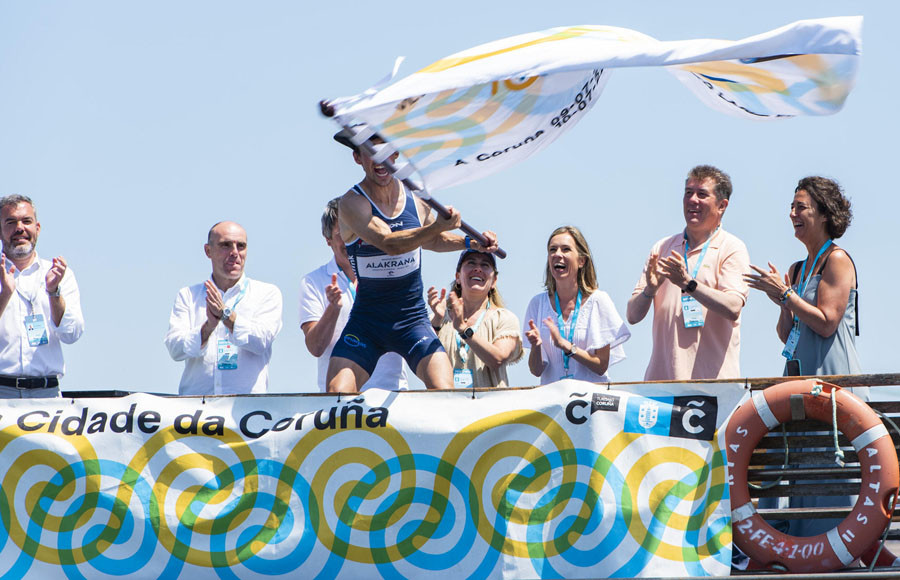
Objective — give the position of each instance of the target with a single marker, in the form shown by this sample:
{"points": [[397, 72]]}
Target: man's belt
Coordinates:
{"points": [[29, 382]]}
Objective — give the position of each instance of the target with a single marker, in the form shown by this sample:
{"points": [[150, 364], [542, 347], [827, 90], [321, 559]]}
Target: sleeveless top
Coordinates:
{"points": [[835, 354], [390, 287]]}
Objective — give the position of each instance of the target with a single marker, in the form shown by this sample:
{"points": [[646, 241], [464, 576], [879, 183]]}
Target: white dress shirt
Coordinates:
{"points": [[17, 356], [389, 373], [257, 322]]}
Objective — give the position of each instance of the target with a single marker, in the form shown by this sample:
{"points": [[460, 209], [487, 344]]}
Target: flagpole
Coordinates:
{"points": [[423, 194]]}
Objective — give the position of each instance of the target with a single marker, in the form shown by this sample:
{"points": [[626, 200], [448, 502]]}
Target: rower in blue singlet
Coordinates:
{"points": [[385, 228], [389, 312]]}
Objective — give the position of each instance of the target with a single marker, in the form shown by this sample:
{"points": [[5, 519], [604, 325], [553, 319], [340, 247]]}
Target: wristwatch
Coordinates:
{"points": [[572, 350], [226, 313], [467, 333], [54, 293], [691, 286]]}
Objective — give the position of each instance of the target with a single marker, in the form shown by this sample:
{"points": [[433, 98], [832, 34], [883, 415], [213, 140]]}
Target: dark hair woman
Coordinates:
{"points": [[818, 298]]}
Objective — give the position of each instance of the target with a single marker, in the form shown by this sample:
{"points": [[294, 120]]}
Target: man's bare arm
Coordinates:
{"points": [[356, 217]]}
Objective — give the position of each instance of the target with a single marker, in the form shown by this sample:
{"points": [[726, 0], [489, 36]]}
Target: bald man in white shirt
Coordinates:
{"points": [[224, 328]]}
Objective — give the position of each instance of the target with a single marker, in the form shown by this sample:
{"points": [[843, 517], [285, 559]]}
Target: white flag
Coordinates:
{"points": [[481, 110]]}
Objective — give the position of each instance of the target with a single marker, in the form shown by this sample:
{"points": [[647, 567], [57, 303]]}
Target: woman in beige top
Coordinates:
{"points": [[480, 335]]}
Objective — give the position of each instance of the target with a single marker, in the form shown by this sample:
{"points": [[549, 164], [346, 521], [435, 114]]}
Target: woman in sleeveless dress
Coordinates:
{"points": [[818, 320], [818, 297]]}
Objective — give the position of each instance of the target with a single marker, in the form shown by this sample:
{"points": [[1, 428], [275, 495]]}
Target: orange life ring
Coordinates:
{"points": [[843, 544]]}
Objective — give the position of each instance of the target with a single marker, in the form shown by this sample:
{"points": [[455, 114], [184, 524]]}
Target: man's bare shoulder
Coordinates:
{"points": [[352, 204]]}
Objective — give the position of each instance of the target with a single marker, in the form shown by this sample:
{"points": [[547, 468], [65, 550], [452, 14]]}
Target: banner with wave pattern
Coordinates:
{"points": [[476, 112], [568, 480]]}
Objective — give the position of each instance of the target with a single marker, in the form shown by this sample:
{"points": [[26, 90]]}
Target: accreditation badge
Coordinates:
{"points": [[226, 356], [463, 378], [791, 344], [36, 330], [692, 311]]}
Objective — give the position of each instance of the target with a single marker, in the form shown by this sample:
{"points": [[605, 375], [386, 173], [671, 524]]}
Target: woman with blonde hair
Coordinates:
{"points": [[481, 337], [578, 333]]}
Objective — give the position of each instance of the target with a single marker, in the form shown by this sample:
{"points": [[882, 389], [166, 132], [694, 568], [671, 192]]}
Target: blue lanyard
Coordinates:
{"points": [[687, 248], [350, 286], [240, 295], [573, 320], [801, 287], [32, 299], [464, 348]]}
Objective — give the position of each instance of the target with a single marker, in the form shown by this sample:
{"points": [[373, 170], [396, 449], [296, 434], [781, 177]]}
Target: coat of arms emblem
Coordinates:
{"points": [[647, 414]]}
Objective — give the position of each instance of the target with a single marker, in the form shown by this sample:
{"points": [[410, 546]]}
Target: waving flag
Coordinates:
{"points": [[481, 110]]}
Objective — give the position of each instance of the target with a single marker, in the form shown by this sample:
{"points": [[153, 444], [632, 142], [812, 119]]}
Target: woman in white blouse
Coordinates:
{"points": [[573, 328]]}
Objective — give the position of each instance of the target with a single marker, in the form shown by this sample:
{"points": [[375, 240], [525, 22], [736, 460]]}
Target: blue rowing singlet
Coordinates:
{"points": [[390, 287], [389, 313]]}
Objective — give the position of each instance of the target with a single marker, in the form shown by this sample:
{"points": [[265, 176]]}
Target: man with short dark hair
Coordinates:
{"points": [[224, 328], [326, 298], [385, 228], [694, 281], [40, 307]]}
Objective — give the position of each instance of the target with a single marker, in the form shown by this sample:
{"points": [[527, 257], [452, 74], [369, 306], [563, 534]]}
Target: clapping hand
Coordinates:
{"points": [[652, 275], [769, 281], [555, 336], [7, 280], [455, 310], [533, 334], [674, 269], [436, 301], [55, 274], [214, 303]]}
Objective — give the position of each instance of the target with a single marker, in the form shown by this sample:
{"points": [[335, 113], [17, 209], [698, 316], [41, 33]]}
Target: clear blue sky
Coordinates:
{"points": [[136, 126]]}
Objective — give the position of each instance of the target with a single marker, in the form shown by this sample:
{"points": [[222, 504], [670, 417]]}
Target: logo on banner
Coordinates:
{"points": [[604, 402], [684, 417], [599, 402], [648, 414]]}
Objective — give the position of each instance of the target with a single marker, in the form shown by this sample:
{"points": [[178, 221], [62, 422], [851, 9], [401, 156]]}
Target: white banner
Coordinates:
{"points": [[567, 480], [481, 110]]}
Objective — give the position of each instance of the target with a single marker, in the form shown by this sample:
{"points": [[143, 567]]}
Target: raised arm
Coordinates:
{"points": [[831, 298], [65, 309], [642, 297], [357, 219], [448, 241], [825, 315], [319, 320]]}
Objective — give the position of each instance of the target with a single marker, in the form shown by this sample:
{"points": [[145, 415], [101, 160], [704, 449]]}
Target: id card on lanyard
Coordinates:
{"points": [[463, 378], [790, 345], [691, 310], [35, 324], [227, 351], [571, 331]]}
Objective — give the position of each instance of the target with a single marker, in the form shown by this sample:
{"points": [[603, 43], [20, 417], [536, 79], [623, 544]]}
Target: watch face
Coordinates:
{"points": [[226, 313], [469, 332]]}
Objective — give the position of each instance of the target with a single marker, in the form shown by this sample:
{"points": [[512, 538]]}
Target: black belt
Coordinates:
{"points": [[29, 382]]}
